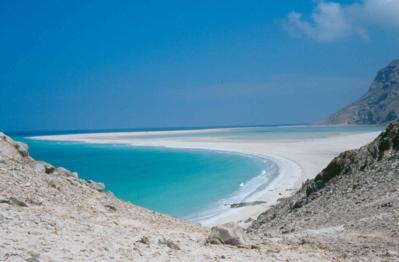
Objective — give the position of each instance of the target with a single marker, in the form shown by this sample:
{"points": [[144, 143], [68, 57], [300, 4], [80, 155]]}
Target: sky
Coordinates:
{"points": [[69, 65]]}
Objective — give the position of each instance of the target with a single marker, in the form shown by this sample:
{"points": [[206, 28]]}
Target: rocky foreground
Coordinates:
{"points": [[348, 212], [49, 214]]}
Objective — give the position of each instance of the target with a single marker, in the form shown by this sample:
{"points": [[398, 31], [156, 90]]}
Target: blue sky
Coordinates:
{"points": [[136, 64]]}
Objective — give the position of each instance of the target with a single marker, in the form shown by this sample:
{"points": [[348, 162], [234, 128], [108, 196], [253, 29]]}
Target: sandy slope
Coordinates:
{"points": [[298, 160]]}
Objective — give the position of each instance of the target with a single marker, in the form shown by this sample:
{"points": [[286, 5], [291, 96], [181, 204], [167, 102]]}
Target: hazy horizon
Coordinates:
{"points": [[93, 66]]}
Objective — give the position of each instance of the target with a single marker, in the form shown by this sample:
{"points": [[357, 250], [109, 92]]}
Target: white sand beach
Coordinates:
{"points": [[297, 159]]}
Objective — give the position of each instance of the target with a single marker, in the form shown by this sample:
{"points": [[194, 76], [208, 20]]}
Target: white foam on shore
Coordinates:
{"points": [[250, 190], [269, 186], [297, 160]]}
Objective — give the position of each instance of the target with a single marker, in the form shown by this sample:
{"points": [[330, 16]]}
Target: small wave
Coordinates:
{"points": [[248, 191]]}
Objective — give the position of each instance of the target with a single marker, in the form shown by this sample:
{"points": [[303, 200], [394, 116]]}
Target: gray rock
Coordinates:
{"points": [[49, 168], [96, 186], [13, 202], [379, 105], [43, 167], [22, 148], [244, 204], [39, 167], [144, 240], [355, 195], [249, 220], [62, 171], [169, 243], [230, 234], [111, 207], [74, 175]]}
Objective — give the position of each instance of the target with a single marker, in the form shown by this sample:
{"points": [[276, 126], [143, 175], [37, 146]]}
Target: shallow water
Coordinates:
{"points": [[180, 183], [260, 133], [191, 184]]}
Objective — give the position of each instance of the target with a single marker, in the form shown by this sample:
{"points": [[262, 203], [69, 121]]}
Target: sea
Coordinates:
{"points": [[184, 183]]}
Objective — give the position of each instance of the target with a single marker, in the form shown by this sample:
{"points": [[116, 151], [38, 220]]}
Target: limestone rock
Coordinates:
{"points": [[22, 148], [12, 201], [169, 243], [244, 204], [230, 234], [62, 171], [144, 240], [43, 167], [379, 105], [12, 149], [96, 186]]}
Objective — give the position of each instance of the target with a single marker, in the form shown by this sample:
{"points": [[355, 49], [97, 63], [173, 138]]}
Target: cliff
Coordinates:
{"points": [[380, 104]]}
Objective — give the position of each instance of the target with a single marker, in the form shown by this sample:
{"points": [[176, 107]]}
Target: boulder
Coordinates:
{"points": [[11, 149], [230, 234], [43, 167], [96, 186], [39, 167], [244, 204], [169, 243], [62, 171], [12, 201], [144, 240], [49, 168], [74, 175], [22, 148]]}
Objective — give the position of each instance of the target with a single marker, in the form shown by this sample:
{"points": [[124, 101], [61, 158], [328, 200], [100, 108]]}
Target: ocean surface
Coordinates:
{"points": [[181, 183], [189, 184]]}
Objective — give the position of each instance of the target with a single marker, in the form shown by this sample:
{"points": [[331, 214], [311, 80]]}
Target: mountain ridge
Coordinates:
{"points": [[378, 106]]}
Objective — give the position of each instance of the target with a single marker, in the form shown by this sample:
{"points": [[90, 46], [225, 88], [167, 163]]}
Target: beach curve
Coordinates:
{"points": [[297, 161]]}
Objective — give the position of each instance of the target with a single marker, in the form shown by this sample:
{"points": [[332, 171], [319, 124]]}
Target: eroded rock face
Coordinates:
{"points": [[355, 198], [22, 148], [384, 146], [230, 234], [380, 105], [12, 149]]}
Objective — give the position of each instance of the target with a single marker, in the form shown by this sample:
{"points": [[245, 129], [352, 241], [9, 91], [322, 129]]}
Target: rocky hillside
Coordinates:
{"points": [[380, 105], [49, 214], [350, 208], [350, 211]]}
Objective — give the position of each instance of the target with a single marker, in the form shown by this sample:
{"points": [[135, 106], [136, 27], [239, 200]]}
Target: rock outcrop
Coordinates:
{"points": [[230, 234], [380, 105], [351, 207]]}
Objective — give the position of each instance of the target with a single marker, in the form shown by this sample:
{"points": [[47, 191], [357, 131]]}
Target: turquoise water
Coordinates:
{"points": [[188, 184], [181, 183], [258, 133]]}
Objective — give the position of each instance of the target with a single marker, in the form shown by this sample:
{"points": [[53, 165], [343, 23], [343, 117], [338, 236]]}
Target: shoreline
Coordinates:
{"points": [[258, 185], [297, 160]]}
